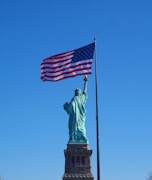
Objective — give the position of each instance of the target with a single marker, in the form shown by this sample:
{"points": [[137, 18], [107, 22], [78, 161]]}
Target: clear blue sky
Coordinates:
{"points": [[33, 124]]}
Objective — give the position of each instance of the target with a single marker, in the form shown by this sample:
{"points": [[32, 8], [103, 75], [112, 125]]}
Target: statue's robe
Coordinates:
{"points": [[76, 111]]}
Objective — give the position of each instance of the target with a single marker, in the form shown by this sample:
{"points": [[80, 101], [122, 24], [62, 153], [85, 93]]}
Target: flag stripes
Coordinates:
{"points": [[68, 64]]}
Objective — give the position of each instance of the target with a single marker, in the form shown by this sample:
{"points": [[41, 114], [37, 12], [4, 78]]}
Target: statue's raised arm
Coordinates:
{"points": [[85, 84]]}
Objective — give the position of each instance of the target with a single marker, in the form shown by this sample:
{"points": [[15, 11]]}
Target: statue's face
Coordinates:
{"points": [[77, 92]]}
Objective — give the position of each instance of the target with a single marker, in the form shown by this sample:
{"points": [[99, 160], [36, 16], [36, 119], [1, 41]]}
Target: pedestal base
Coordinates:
{"points": [[78, 162]]}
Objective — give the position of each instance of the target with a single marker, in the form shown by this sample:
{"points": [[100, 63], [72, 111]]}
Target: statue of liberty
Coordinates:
{"points": [[76, 111]]}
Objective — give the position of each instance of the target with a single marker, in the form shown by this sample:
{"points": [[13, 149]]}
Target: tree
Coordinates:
{"points": [[150, 177], [1, 178]]}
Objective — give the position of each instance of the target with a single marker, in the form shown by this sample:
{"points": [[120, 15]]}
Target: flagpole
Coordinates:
{"points": [[97, 117]]}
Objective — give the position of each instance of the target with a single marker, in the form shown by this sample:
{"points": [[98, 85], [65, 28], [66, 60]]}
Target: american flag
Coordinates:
{"points": [[68, 64]]}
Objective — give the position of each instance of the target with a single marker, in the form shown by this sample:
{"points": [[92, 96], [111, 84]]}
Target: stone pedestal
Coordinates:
{"points": [[78, 162]]}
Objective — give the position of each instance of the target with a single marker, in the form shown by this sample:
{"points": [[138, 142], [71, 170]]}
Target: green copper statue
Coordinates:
{"points": [[76, 111]]}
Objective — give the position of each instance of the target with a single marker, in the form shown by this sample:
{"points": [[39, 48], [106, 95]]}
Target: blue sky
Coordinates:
{"points": [[33, 124]]}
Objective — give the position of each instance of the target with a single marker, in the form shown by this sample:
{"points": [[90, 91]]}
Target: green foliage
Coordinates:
{"points": [[150, 177]]}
